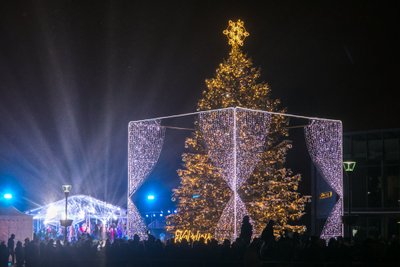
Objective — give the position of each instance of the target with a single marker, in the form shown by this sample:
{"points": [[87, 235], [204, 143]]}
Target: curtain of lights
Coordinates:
{"points": [[235, 138], [324, 143], [144, 148]]}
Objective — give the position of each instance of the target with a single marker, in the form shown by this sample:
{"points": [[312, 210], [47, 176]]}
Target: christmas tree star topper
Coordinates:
{"points": [[236, 33]]}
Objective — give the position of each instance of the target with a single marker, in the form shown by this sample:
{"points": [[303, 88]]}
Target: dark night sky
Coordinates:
{"points": [[73, 74]]}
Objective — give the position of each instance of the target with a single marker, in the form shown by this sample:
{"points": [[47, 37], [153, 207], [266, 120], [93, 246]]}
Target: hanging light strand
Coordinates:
{"points": [[144, 148], [324, 143], [235, 139]]}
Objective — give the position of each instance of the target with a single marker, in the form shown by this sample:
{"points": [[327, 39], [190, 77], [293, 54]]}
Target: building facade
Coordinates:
{"points": [[374, 184]]}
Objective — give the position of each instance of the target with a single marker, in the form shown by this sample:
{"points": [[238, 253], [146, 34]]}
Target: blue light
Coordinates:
{"points": [[150, 197], [195, 196], [169, 211], [147, 215], [161, 215], [8, 196], [175, 211]]}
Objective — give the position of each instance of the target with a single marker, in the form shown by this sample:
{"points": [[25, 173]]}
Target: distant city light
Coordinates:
{"points": [[169, 211], [161, 214], [150, 197], [8, 196], [147, 215], [175, 211]]}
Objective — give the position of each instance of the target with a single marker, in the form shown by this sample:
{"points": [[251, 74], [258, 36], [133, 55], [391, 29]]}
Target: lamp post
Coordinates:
{"points": [[66, 188], [348, 168]]}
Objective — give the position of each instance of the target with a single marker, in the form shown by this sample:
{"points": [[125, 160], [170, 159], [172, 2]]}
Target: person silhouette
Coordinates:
{"points": [[268, 233], [246, 230], [19, 254], [10, 246]]}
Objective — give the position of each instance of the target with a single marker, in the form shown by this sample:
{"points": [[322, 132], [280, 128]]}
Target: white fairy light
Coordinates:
{"points": [[145, 143], [252, 130], [324, 142], [226, 225], [235, 139], [135, 222]]}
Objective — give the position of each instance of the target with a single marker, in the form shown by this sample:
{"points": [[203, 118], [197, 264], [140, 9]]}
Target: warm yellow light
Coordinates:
{"points": [[324, 195], [236, 33], [189, 235]]}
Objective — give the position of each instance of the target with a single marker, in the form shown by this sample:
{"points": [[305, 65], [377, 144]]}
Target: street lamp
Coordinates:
{"points": [[66, 188], [349, 167]]}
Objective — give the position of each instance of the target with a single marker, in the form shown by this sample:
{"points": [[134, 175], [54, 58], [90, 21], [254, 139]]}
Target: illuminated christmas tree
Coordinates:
{"points": [[271, 190], [202, 194]]}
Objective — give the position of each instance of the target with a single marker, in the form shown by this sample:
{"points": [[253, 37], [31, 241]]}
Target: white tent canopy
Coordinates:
{"points": [[12, 221]]}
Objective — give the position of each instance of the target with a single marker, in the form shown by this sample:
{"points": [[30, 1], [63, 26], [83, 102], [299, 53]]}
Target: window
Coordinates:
{"points": [[347, 148], [374, 188], [392, 149], [375, 149], [358, 188], [374, 227], [392, 186], [359, 149]]}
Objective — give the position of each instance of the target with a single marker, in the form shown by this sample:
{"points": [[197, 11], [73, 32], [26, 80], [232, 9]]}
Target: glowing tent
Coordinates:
{"points": [[80, 208]]}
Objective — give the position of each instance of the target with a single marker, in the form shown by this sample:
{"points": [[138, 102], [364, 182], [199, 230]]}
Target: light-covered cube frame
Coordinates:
{"points": [[236, 157]]}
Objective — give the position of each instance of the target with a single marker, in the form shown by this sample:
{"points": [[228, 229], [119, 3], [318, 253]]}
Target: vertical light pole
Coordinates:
{"points": [[348, 168], [66, 188]]}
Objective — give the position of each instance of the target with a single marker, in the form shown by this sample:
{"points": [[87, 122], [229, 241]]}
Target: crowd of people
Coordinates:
{"points": [[289, 250], [97, 231]]}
